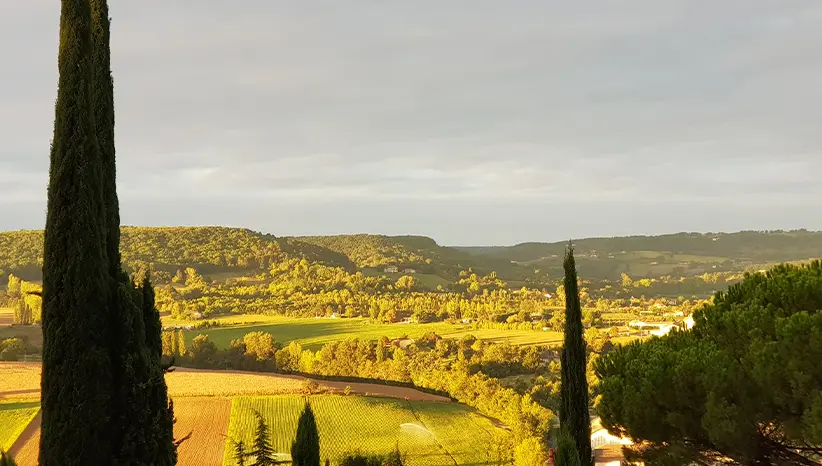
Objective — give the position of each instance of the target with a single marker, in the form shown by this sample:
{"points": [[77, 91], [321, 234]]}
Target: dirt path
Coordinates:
{"points": [[25, 449]]}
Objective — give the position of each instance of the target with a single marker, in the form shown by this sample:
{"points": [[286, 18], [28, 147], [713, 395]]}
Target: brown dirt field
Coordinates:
{"points": [[26, 448], [207, 420], [6, 317]]}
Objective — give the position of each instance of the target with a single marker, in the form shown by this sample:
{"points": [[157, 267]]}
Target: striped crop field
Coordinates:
{"points": [[427, 434]]}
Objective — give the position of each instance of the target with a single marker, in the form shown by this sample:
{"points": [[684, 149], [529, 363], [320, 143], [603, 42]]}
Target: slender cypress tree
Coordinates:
{"points": [[142, 423], [574, 417], [305, 451], [77, 380]]}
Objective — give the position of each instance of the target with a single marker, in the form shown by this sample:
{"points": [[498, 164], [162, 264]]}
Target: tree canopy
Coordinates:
{"points": [[744, 385]]}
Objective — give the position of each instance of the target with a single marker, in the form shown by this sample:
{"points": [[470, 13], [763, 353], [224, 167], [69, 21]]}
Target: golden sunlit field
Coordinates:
{"points": [[203, 407]]}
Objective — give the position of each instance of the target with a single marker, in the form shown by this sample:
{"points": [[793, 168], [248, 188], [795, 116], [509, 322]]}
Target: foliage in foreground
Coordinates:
{"points": [[745, 384]]}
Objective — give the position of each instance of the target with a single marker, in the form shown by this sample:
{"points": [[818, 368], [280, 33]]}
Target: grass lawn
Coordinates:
{"points": [[314, 333], [14, 417], [429, 433]]}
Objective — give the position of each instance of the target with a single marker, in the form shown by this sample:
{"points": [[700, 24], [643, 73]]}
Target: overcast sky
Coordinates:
{"points": [[474, 122]]}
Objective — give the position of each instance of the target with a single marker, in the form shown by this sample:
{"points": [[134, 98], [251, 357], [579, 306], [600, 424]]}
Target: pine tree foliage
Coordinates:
{"points": [[239, 453], [743, 387], [574, 417], [76, 356], [262, 451], [305, 451]]}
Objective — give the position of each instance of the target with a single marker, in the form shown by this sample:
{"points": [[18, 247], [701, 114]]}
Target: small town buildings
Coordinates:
{"points": [[391, 269]]}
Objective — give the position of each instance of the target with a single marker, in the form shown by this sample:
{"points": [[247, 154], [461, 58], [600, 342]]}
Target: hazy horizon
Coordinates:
{"points": [[474, 123]]}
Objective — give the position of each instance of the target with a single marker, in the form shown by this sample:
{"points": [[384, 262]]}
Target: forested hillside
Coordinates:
{"points": [[208, 249], [418, 252], [217, 250], [681, 254]]}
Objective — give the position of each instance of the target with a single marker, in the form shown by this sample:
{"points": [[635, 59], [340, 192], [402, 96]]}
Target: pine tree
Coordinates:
{"points": [[77, 367], [239, 453], [263, 452], [574, 417], [305, 451]]}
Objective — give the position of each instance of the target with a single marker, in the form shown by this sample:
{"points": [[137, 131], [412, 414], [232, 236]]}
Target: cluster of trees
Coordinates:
{"points": [[101, 332], [744, 386], [25, 299]]}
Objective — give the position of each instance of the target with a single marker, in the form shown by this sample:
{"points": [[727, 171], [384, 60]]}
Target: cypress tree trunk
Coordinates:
{"points": [[574, 417], [76, 381]]}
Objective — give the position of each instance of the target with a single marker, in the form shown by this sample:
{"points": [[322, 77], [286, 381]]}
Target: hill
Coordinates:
{"points": [[222, 251], [680, 254], [418, 252], [208, 249]]}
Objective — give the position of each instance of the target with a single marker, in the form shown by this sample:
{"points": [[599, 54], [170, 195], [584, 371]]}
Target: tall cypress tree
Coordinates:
{"points": [[77, 380], [574, 417]]}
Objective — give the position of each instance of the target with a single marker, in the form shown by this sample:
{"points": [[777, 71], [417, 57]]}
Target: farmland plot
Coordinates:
{"points": [[371, 425], [207, 421]]}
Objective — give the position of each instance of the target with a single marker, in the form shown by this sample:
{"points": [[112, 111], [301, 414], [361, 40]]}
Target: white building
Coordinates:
{"points": [[391, 269]]}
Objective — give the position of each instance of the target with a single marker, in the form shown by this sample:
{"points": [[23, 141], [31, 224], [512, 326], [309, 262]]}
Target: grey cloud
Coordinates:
{"points": [[472, 121]]}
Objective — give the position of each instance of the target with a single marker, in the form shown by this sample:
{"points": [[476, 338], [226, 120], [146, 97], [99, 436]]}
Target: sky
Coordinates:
{"points": [[475, 122]]}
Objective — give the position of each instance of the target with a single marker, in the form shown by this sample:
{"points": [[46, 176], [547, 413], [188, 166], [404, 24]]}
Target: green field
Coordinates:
{"points": [[14, 417], [314, 333], [430, 434]]}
